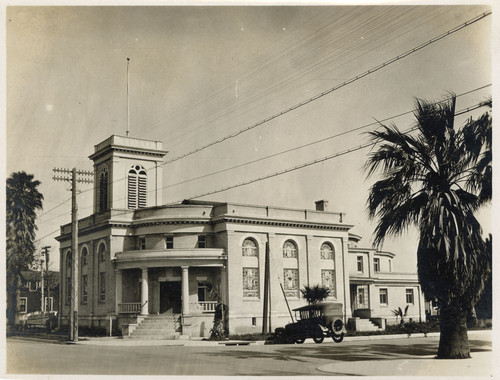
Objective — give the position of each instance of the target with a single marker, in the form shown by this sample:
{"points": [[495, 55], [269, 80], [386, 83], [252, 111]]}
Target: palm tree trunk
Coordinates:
{"points": [[453, 342]]}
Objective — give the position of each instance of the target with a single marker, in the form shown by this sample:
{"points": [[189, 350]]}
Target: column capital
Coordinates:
{"points": [[184, 266]]}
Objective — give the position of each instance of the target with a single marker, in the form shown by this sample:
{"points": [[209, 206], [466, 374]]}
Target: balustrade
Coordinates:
{"points": [[129, 308], [204, 306]]}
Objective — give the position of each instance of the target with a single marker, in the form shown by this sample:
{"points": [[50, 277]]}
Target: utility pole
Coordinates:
{"points": [[44, 254], [71, 176]]}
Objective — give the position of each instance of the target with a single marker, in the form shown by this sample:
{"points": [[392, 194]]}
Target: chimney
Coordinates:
{"points": [[321, 205]]}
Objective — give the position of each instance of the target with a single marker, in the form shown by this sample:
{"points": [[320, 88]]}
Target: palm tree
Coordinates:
{"points": [[400, 313], [435, 179], [23, 200], [314, 294]]}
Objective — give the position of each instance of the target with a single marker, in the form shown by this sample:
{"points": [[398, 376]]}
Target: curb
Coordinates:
{"points": [[118, 341]]}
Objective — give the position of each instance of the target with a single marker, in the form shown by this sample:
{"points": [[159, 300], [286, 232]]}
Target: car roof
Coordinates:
{"points": [[317, 306]]}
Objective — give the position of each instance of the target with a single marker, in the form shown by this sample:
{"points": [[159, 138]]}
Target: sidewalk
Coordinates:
{"points": [[480, 364], [118, 341]]}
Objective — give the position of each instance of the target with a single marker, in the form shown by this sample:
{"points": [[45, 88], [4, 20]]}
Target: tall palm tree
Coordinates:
{"points": [[435, 178], [23, 200]]}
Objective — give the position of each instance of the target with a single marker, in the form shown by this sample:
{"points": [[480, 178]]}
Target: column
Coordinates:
{"points": [[144, 292], [118, 289], [346, 288], [311, 260], [185, 290]]}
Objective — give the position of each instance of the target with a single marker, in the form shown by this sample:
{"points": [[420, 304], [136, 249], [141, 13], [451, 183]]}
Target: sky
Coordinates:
{"points": [[199, 74]]}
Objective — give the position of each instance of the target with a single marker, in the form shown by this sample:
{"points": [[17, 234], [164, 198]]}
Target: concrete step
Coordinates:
{"points": [[159, 323], [159, 326], [154, 337]]}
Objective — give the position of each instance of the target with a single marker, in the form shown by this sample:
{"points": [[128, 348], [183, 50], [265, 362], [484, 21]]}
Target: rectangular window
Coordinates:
{"points": [[142, 243], [169, 242], [202, 291], [362, 297], [49, 304], [409, 296], [360, 263], [23, 304], [291, 282], [85, 288], [376, 265], [328, 280], [383, 297], [250, 282], [102, 286], [32, 286], [202, 241]]}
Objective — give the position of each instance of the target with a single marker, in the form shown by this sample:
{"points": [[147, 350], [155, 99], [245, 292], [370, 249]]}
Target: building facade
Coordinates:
{"points": [[139, 258]]}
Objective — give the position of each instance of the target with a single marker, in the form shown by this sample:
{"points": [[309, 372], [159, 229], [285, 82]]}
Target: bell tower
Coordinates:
{"points": [[127, 173]]}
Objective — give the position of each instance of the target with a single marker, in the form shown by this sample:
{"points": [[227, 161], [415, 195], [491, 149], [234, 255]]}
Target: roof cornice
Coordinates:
{"points": [[281, 223]]}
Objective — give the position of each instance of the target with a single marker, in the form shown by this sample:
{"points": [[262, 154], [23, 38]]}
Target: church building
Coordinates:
{"points": [[159, 270]]}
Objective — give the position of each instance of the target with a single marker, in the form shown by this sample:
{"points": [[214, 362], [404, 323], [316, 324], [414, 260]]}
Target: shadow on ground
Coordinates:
{"points": [[351, 353]]}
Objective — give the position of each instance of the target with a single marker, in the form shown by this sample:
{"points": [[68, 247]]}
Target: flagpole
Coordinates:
{"points": [[128, 98]]}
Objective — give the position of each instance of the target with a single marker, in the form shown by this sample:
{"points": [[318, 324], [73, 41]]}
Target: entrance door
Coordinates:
{"points": [[170, 297]]}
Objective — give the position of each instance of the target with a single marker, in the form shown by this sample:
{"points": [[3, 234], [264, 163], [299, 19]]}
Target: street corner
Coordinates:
{"points": [[480, 364]]}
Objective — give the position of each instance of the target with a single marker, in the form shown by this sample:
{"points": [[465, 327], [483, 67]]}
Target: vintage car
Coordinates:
{"points": [[316, 321]]}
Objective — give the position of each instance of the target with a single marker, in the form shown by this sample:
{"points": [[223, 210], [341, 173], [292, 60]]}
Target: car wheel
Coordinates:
{"points": [[319, 339], [280, 335], [299, 340], [338, 338]]}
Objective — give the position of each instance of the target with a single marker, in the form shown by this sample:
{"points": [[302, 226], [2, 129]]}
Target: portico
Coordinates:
{"points": [[172, 281]]}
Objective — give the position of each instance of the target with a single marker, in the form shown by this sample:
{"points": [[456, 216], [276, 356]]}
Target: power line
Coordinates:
{"points": [[53, 208], [349, 81], [308, 144], [317, 161], [258, 159], [310, 163], [313, 143]]}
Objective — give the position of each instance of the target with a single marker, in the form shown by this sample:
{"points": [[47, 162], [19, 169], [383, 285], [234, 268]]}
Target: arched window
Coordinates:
{"points": [[85, 255], [102, 252], [249, 248], [289, 249], [69, 262], [69, 266], [326, 251], [136, 187], [103, 189]]}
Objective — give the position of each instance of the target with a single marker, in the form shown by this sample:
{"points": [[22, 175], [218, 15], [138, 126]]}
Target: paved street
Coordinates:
{"points": [[412, 356]]}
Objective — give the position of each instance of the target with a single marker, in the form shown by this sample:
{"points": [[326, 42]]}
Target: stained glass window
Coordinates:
{"points": [[291, 282], [326, 251], [85, 288], [250, 282], [249, 248], [328, 280], [289, 249], [84, 256], [102, 286]]}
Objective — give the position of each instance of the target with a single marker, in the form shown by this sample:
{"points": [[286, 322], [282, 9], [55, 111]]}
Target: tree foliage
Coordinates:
{"points": [[436, 178], [23, 200], [315, 294]]}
